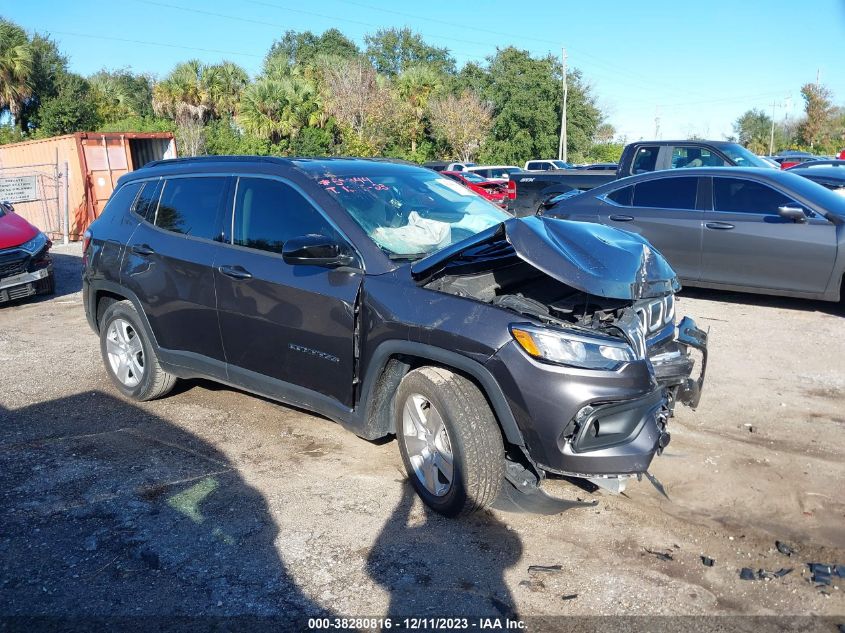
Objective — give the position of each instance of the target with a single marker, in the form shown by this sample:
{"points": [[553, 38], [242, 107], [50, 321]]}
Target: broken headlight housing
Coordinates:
{"points": [[571, 348]]}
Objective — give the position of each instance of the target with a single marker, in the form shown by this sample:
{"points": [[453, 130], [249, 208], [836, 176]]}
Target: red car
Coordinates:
{"points": [[841, 155], [496, 191], [25, 264]]}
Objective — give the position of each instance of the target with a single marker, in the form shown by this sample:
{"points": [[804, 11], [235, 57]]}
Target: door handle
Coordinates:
{"points": [[235, 272], [719, 226], [143, 250], [621, 218]]}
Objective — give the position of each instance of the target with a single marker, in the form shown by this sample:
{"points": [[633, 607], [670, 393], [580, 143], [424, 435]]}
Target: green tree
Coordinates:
{"points": [[224, 137], [301, 48], [71, 110], [226, 82], [526, 97], [273, 109], [121, 94], [415, 87], [392, 51], [817, 127], [753, 130], [16, 71]]}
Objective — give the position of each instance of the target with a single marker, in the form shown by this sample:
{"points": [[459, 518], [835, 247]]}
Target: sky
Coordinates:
{"points": [[659, 68]]}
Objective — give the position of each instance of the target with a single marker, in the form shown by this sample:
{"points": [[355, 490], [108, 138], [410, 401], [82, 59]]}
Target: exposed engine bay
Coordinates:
{"points": [[494, 274]]}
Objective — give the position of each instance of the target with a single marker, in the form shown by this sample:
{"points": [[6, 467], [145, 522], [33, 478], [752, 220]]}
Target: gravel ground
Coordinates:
{"points": [[215, 502]]}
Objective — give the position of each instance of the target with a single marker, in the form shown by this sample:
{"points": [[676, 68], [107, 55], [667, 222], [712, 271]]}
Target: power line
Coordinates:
{"points": [[148, 43]]}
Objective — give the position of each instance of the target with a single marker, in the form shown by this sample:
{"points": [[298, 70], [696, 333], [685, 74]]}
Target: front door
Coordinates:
{"points": [[746, 242], [281, 322]]}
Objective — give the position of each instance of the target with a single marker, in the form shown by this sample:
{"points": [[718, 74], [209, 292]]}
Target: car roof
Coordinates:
{"points": [[311, 166], [828, 173]]}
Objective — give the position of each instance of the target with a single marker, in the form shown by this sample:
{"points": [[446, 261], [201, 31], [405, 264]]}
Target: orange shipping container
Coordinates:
{"points": [[95, 162]]}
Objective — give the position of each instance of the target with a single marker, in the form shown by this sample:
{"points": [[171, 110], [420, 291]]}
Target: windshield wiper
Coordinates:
{"points": [[406, 256]]}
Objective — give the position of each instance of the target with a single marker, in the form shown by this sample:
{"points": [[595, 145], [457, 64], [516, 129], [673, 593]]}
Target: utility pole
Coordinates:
{"points": [[656, 123], [561, 148], [772, 135]]}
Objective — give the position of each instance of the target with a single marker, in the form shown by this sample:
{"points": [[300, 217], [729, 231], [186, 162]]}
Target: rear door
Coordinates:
{"points": [[666, 212], [282, 322], [746, 242], [169, 265]]}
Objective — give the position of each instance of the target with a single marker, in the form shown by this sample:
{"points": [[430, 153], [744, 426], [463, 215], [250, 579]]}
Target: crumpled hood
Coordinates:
{"points": [[14, 230], [596, 259]]}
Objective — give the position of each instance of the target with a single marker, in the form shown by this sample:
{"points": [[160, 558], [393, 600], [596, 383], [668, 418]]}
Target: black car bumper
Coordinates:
{"points": [[596, 423], [23, 275]]}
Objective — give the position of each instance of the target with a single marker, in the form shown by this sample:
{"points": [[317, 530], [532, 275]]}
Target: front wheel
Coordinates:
{"points": [[449, 441]]}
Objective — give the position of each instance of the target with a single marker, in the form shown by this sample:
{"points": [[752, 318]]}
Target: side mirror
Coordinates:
{"points": [[316, 250], [796, 214]]}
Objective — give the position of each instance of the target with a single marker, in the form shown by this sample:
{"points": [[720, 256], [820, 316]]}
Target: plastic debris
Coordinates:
{"points": [[821, 573], [544, 569], [839, 570], [746, 573], [660, 555], [707, 561], [784, 549], [764, 574], [570, 596]]}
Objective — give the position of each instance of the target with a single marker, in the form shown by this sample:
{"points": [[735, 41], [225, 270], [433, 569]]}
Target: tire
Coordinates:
{"points": [[472, 437], [129, 357]]}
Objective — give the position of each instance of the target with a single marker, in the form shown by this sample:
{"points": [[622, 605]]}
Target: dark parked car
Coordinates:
{"points": [[529, 192], [395, 301], [830, 176], [818, 163], [26, 268], [599, 167], [752, 230]]}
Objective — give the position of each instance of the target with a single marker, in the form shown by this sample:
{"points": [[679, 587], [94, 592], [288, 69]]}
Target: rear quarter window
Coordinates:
{"points": [[122, 200]]}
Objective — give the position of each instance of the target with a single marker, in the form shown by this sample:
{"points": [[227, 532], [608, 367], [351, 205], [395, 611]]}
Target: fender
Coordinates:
{"points": [[378, 360]]}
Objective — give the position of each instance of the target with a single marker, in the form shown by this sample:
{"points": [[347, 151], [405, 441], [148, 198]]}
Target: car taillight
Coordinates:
{"points": [[86, 240], [511, 190]]}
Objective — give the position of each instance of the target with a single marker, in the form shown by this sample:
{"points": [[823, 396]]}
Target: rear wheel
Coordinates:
{"points": [[449, 441], [128, 355]]}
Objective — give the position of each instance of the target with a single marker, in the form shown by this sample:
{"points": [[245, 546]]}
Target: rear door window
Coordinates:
{"points": [[735, 195], [268, 213], [191, 206], [645, 159], [666, 193]]}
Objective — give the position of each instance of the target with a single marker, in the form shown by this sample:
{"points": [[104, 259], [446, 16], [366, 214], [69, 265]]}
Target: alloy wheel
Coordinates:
{"points": [[125, 352], [428, 445]]}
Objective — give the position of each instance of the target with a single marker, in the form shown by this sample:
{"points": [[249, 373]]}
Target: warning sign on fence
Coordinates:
{"points": [[19, 189]]}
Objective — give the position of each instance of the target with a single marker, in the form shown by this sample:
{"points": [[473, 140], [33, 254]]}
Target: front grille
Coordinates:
{"points": [[655, 315], [13, 263]]}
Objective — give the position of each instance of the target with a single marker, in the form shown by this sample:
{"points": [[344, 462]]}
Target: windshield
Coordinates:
{"points": [[412, 214], [472, 177], [743, 157], [561, 165]]}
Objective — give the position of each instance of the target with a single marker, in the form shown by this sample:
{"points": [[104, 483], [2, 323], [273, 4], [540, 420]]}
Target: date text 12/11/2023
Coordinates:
{"points": [[416, 624]]}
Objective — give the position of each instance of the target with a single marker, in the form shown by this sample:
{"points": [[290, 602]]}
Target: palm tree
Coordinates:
{"points": [[184, 94], [225, 83], [415, 87], [273, 109], [16, 68]]}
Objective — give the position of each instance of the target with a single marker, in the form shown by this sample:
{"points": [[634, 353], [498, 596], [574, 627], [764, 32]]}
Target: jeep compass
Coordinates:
{"points": [[396, 302]]}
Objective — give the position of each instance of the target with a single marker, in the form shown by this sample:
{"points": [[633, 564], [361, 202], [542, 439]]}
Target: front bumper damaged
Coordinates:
{"points": [[604, 426]]}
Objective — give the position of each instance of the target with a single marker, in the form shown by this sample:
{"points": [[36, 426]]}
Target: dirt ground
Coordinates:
{"points": [[215, 502]]}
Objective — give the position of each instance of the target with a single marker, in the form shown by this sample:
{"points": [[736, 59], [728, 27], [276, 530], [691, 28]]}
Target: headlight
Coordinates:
{"points": [[569, 348], [35, 244]]}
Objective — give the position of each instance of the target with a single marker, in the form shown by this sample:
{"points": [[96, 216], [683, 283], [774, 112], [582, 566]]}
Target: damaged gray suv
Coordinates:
{"points": [[496, 349]]}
